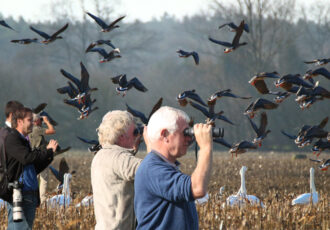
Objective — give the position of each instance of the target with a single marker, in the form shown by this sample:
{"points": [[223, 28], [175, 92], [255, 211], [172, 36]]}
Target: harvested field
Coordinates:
{"points": [[275, 178]]}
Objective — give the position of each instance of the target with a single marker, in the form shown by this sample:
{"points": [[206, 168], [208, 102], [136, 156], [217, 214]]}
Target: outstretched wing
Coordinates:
{"points": [[39, 108], [137, 85], [41, 33], [138, 114], [91, 142], [156, 107], [72, 78], [98, 21], [227, 44], [54, 35], [100, 51], [84, 78]]}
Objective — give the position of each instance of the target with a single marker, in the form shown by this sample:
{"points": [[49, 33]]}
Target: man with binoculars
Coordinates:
{"points": [[23, 165], [164, 196]]}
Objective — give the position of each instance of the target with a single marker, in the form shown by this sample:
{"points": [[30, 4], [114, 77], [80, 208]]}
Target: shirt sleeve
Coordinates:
{"points": [[169, 183], [126, 166]]}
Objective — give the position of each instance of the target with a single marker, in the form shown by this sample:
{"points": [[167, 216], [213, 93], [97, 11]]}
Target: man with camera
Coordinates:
{"points": [[113, 171], [38, 141], [164, 196], [23, 165]]}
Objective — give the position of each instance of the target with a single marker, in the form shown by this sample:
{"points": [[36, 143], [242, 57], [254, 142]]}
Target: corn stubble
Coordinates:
{"points": [[275, 178]]}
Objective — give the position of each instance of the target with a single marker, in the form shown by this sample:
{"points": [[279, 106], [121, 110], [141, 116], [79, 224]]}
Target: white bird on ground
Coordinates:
{"points": [[306, 197], [63, 199], [241, 198], [86, 201], [203, 200]]}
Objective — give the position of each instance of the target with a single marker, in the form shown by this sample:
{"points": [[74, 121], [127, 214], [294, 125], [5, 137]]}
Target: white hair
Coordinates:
{"points": [[164, 118], [114, 124]]}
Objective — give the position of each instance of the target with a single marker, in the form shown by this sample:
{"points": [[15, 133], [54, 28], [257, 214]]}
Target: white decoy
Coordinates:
{"points": [[305, 198], [241, 198], [86, 202], [63, 199], [203, 200]]}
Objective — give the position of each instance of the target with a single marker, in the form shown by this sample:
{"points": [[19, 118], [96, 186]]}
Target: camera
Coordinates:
{"points": [[216, 132], [17, 201]]}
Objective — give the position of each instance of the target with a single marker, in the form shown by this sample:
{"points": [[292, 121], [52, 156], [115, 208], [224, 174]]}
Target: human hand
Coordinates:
{"points": [[52, 145], [203, 135]]}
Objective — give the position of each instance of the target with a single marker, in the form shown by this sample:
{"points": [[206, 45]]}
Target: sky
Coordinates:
{"points": [[143, 10]]}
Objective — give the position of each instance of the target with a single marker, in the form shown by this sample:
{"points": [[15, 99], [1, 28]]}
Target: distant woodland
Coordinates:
{"points": [[276, 42]]}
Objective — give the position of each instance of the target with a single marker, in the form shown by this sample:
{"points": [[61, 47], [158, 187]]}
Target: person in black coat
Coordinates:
{"points": [[23, 165]]}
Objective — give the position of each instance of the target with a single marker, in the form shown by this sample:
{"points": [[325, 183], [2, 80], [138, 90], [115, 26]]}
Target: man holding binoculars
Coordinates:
{"points": [[164, 196], [23, 165]]}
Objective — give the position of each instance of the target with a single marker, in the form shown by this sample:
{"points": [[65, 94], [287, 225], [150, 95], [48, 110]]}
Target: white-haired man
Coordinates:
{"points": [[164, 196], [113, 171]]}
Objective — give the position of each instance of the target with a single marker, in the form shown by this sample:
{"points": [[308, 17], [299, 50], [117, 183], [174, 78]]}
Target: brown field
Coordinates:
{"points": [[276, 178]]}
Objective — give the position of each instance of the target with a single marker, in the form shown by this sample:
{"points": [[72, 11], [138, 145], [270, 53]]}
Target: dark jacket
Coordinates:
{"points": [[19, 153]]}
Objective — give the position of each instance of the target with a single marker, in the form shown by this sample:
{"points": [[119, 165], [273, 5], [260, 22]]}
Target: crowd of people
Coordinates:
{"points": [[128, 192]]}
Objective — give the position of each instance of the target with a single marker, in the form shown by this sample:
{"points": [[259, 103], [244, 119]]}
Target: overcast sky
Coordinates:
{"points": [[144, 10]]}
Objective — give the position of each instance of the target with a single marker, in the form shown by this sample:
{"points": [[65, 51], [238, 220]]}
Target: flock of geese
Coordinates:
{"points": [[306, 90]]}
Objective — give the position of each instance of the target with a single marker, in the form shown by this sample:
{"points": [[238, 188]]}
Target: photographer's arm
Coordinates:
{"points": [[50, 128], [201, 175]]}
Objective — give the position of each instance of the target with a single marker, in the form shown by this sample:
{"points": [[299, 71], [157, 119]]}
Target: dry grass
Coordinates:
{"points": [[275, 178]]}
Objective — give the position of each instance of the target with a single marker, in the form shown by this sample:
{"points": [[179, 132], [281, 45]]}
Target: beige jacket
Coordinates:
{"points": [[112, 174]]}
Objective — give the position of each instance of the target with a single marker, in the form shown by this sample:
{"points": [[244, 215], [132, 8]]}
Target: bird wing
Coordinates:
{"points": [[108, 42], [265, 104], [84, 78], [98, 21], [156, 107], [183, 53], [238, 34], [55, 173], [311, 62], [92, 45], [115, 80], [194, 96], [116, 21], [100, 51], [71, 78], [230, 24], [138, 114], [196, 57], [3, 23], [323, 123], [261, 86], [51, 120], [263, 123], [322, 71], [221, 117], [92, 142], [137, 84], [316, 160], [73, 103], [246, 145], [41, 33], [63, 168], [227, 44], [39, 108], [200, 108], [54, 35], [222, 141], [254, 126], [288, 135]]}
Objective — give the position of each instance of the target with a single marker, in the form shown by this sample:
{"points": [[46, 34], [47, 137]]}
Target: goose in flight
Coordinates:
{"points": [[324, 163], [235, 43], [98, 43], [4, 23], [320, 146], [320, 71], [233, 27], [95, 145], [242, 199], [115, 53], [50, 38], [82, 85], [125, 85], [261, 130], [306, 197], [258, 81], [182, 98], [103, 25], [319, 62], [25, 41], [287, 81], [258, 104], [185, 54]]}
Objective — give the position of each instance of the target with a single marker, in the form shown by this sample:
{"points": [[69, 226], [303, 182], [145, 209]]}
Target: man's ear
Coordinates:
{"points": [[164, 133]]}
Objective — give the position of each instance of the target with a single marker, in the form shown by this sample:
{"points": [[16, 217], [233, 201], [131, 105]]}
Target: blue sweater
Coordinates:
{"points": [[163, 196]]}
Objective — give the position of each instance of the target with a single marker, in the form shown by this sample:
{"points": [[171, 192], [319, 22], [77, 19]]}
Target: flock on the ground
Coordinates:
{"points": [[306, 90]]}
